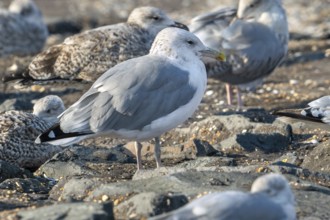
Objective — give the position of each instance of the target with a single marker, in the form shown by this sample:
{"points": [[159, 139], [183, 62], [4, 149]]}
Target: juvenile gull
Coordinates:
{"points": [[317, 111], [140, 98], [20, 129], [256, 41], [87, 55], [22, 30], [270, 199]]}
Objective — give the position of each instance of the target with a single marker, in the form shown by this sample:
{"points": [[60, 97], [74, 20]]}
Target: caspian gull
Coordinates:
{"points": [[255, 38], [270, 199], [141, 98]]}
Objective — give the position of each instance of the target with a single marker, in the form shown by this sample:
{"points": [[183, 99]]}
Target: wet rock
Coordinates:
{"points": [[15, 104], [319, 158], [82, 211], [80, 160], [238, 133], [149, 204], [29, 185], [8, 171]]}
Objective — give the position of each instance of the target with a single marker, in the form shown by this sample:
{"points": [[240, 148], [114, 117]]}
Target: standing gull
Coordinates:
{"points": [[87, 55], [270, 199], [317, 111], [22, 30], [20, 129], [256, 41], [140, 98]]}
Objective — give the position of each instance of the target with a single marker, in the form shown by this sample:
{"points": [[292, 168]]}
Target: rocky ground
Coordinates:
{"points": [[218, 149]]}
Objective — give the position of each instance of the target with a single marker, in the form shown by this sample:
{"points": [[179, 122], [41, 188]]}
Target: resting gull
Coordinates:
{"points": [[140, 98], [255, 37], [317, 111], [20, 129], [270, 199], [22, 30], [87, 55]]}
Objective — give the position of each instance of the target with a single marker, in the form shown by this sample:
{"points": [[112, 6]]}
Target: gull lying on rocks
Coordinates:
{"points": [[256, 41], [141, 98], [317, 111], [270, 199], [20, 129], [22, 30], [87, 55]]}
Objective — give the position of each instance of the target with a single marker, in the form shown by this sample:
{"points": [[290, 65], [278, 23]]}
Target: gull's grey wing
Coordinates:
{"points": [[253, 51], [130, 96], [88, 55], [17, 36], [228, 206], [208, 26]]}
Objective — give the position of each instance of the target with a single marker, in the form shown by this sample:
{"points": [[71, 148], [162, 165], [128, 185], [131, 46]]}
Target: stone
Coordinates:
{"points": [[147, 204], [81, 211]]}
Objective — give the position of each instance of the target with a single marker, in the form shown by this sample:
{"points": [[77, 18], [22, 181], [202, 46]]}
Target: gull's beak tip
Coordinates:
{"points": [[221, 56]]}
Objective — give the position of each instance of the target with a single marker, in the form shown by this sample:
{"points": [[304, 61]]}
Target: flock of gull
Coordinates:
{"points": [[148, 76]]}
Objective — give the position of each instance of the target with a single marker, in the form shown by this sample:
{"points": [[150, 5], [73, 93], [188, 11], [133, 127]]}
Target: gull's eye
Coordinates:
{"points": [[156, 18], [190, 42], [48, 111]]}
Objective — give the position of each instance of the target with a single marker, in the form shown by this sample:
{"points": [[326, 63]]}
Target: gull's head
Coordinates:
{"points": [[181, 44], [48, 108], [252, 9], [26, 8], [276, 187], [152, 19]]}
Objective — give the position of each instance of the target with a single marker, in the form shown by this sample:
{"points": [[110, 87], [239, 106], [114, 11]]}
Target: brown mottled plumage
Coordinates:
{"points": [[87, 55], [22, 30], [19, 130]]}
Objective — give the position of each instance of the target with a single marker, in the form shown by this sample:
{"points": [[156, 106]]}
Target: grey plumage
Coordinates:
{"points": [[87, 55], [22, 30], [19, 130], [256, 40], [140, 98], [270, 199]]}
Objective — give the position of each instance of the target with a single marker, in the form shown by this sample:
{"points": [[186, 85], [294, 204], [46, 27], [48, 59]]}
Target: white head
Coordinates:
{"points": [[180, 44], [48, 108], [253, 9], [26, 8], [274, 186], [152, 19]]}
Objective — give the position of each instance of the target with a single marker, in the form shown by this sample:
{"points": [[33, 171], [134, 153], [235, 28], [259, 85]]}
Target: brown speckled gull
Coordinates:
{"points": [[19, 130], [87, 55], [22, 30]]}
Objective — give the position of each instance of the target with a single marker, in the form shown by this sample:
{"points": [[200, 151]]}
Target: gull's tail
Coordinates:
{"points": [[297, 116], [56, 136]]}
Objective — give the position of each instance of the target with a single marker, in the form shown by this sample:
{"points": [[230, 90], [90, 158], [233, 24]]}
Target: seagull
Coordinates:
{"points": [[22, 29], [255, 38], [88, 55], [20, 129], [141, 98], [270, 199], [317, 111]]}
